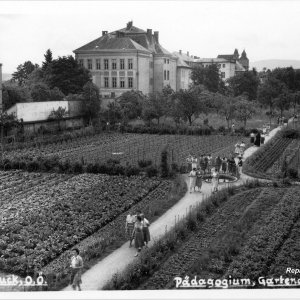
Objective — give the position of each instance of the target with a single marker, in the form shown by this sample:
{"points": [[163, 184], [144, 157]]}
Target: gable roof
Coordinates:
{"points": [[111, 42], [227, 56]]}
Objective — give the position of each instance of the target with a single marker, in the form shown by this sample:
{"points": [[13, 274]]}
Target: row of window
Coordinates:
{"points": [[166, 75], [107, 64], [167, 61], [114, 82]]}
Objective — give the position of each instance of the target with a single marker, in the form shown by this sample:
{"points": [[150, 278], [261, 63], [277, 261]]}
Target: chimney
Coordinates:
{"points": [[129, 25], [180, 52], [149, 34], [188, 53], [156, 36], [1, 107], [104, 33]]}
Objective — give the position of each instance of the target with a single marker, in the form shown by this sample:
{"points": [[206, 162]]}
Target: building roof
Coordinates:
{"points": [[180, 60], [210, 60], [128, 38], [112, 42], [227, 56], [184, 56]]}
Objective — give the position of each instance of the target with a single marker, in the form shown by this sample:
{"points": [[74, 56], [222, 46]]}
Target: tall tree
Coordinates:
{"points": [[188, 105], [23, 72], [66, 74], [228, 109], [154, 107], [244, 110], [91, 101], [244, 83], [268, 92], [131, 105], [283, 101], [48, 59]]}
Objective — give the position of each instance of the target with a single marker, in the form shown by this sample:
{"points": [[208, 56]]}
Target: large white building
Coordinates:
{"points": [[131, 58]]}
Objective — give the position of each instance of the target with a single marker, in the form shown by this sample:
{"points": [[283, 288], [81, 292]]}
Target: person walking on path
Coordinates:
{"points": [[205, 163], [252, 137], [262, 139], [215, 180], [209, 163], [233, 128], [242, 148], [146, 232], [240, 164], [237, 149], [192, 176], [202, 163], [137, 234], [224, 165], [257, 140], [194, 162], [199, 180], [129, 226], [189, 163], [218, 163], [76, 269]]}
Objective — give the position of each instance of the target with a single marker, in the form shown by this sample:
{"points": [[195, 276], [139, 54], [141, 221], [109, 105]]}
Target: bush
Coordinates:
{"points": [[292, 173], [77, 167], [151, 171], [144, 163], [164, 164], [290, 133]]}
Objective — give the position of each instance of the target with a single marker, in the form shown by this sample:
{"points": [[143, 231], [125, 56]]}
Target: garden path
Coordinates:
{"points": [[96, 277]]}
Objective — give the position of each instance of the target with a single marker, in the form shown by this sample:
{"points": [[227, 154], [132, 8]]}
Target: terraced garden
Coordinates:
{"points": [[243, 233]]}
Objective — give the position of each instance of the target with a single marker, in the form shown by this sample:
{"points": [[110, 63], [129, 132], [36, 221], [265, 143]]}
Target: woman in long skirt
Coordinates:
{"points": [[199, 180], [189, 163], [257, 139], [237, 149], [146, 232], [129, 226], [252, 137], [138, 235], [192, 176], [242, 149], [218, 163]]}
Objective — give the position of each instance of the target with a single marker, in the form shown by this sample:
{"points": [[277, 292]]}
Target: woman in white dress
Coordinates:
{"points": [[193, 176], [215, 180]]}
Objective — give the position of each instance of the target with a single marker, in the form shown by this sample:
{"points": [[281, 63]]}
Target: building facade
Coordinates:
{"points": [[131, 59]]}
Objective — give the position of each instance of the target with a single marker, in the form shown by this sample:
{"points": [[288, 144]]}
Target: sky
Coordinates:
{"points": [[265, 29]]}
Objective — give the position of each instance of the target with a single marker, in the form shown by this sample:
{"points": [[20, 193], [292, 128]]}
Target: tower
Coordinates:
{"points": [[236, 54], [244, 61]]}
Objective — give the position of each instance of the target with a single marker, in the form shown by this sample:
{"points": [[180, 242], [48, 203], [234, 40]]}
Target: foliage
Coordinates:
{"points": [[131, 105], [244, 83], [91, 101], [66, 74], [164, 166], [15, 94], [23, 72], [48, 60], [228, 108], [244, 110]]}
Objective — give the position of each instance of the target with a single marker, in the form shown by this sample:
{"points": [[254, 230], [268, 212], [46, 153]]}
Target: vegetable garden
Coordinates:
{"points": [[128, 148], [242, 233]]}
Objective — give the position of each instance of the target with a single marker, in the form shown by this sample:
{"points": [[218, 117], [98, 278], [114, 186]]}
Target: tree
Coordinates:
{"points": [[15, 94], [295, 100], [58, 115], [66, 74], [48, 59], [228, 109], [188, 105], [91, 102], [154, 107], [244, 83], [269, 91], [23, 72], [244, 110], [282, 102], [40, 92], [131, 105], [209, 77]]}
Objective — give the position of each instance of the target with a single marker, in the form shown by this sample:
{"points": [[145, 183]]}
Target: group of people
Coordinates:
{"points": [[258, 138], [137, 229], [196, 177]]}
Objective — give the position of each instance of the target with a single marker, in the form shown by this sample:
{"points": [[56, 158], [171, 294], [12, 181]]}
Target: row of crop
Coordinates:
{"points": [[113, 235], [52, 220], [289, 254], [261, 250], [257, 164], [150, 262]]}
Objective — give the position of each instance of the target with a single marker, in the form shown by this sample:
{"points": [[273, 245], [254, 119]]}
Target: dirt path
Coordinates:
{"points": [[96, 277]]}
